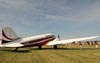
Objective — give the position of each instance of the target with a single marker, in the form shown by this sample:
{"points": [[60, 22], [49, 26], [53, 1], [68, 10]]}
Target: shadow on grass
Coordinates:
{"points": [[30, 49], [66, 49], [19, 51]]}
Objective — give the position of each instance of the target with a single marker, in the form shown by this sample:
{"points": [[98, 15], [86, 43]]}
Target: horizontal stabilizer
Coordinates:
{"points": [[13, 45]]}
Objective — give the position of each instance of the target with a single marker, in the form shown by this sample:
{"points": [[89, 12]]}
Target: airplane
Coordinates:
{"points": [[10, 39]]}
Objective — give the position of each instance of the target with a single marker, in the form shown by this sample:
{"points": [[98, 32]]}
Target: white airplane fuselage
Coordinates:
{"points": [[31, 41]]}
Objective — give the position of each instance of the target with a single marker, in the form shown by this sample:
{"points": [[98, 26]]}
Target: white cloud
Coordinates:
{"points": [[15, 11], [15, 4], [91, 13]]}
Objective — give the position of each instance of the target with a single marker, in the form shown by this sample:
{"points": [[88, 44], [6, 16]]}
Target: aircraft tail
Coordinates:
{"points": [[8, 35]]}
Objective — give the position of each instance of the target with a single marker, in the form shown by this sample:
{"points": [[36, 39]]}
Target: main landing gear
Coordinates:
{"points": [[55, 47], [16, 49], [40, 46]]}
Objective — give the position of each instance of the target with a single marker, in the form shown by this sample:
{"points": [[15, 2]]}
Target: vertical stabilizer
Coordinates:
{"points": [[8, 35]]}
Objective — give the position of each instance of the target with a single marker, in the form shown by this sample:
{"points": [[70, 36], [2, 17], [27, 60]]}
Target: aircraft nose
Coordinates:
{"points": [[50, 35]]}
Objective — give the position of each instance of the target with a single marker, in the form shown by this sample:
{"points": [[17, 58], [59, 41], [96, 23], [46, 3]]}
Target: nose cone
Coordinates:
{"points": [[50, 35]]}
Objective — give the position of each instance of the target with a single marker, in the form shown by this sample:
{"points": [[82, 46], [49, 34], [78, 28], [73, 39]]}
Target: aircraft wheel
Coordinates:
{"points": [[40, 47], [16, 49], [55, 46]]}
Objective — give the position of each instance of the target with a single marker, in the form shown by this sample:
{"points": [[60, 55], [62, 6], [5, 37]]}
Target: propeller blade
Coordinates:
{"points": [[58, 37]]}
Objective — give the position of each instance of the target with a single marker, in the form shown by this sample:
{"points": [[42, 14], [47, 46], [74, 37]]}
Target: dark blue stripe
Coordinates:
{"points": [[4, 41]]}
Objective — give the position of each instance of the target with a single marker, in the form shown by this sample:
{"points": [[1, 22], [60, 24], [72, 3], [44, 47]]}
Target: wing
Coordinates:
{"points": [[13, 45], [70, 40]]}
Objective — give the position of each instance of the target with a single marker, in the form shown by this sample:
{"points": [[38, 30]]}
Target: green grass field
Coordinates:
{"points": [[64, 54]]}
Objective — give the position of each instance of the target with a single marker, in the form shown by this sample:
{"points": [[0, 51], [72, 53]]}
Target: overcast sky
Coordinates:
{"points": [[68, 18]]}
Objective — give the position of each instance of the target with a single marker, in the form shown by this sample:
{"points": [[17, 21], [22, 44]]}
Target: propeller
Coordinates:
{"points": [[58, 37]]}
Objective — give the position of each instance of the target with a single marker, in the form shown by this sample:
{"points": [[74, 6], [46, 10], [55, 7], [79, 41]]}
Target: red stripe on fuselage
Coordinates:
{"points": [[6, 36], [38, 42]]}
